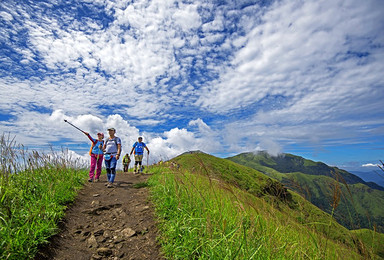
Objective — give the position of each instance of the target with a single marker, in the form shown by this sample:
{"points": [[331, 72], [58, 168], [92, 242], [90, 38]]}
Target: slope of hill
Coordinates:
{"points": [[287, 163], [212, 208], [360, 204], [376, 176]]}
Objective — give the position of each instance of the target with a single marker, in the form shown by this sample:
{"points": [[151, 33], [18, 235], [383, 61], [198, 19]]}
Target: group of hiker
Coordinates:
{"points": [[110, 151]]}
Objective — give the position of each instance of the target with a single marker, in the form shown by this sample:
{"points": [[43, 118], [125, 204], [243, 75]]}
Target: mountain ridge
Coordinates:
{"points": [[308, 167], [317, 182]]}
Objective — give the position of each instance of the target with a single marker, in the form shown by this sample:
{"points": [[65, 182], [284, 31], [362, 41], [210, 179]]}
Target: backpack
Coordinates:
{"points": [[139, 147], [92, 145], [114, 140]]}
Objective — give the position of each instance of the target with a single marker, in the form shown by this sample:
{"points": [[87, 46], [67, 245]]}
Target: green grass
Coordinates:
{"points": [[34, 192], [204, 213], [372, 239], [360, 205], [140, 185]]}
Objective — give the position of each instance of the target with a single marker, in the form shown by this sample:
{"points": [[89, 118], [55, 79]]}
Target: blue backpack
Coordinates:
{"points": [[139, 147]]}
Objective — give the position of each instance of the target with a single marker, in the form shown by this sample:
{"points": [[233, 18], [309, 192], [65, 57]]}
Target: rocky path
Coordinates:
{"points": [[107, 223]]}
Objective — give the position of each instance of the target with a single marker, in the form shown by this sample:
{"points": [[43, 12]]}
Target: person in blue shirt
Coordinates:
{"points": [[138, 149]]}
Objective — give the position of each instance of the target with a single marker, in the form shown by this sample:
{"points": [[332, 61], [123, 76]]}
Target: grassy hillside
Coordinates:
{"points": [[211, 208], [360, 204], [287, 163], [34, 191]]}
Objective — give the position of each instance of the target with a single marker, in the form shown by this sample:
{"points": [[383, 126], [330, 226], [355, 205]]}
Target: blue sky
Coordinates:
{"points": [[303, 77]]}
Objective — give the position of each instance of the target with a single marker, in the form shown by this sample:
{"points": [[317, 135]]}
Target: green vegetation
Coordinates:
{"points": [[372, 239], [360, 204], [34, 189], [140, 185], [211, 208]]}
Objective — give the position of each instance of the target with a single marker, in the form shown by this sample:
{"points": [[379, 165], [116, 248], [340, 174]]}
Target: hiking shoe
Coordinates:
{"points": [[110, 185], [90, 180]]}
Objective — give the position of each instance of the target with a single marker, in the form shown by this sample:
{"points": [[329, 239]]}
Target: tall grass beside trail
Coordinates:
{"points": [[34, 189], [205, 218]]}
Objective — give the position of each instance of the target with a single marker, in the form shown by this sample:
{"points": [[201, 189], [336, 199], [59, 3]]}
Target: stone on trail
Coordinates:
{"points": [[91, 242], [95, 203], [99, 232], [128, 232], [103, 251], [107, 234], [90, 211]]}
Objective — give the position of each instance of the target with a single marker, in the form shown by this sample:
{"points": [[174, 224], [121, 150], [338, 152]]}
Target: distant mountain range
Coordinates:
{"points": [[354, 202], [372, 176]]}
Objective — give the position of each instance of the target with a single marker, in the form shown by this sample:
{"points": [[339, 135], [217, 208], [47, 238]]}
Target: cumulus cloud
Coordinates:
{"points": [[318, 68], [193, 75], [306, 56], [273, 148], [369, 165], [51, 130]]}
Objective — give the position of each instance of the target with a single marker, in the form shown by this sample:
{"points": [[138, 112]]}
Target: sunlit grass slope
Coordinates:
{"points": [[34, 192], [211, 208], [360, 206]]}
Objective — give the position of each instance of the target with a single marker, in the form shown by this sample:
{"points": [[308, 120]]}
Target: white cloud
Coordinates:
{"points": [[187, 17], [273, 148], [293, 55], [135, 58], [369, 165], [203, 127], [291, 71], [306, 56], [52, 129], [6, 16]]}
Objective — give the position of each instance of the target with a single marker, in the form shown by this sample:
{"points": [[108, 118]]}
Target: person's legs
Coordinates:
{"points": [[140, 170], [93, 166], [108, 168], [136, 162], [138, 159], [99, 166], [113, 169], [135, 169]]}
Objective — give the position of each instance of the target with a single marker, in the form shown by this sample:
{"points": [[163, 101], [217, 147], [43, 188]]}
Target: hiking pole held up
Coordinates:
{"points": [[147, 162], [66, 121]]}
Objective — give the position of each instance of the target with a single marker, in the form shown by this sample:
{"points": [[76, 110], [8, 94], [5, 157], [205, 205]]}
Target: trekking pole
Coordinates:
{"points": [[66, 121], [147, 162], [97, 162]]}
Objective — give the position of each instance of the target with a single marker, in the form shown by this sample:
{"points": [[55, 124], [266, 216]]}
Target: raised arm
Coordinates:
{"points": [[90, 137]]}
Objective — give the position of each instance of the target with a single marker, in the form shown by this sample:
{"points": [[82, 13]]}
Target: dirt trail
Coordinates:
{"points": [[107, 223]]}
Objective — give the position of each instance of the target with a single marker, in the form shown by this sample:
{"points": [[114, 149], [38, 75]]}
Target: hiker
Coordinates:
{"points": [[138, 147], [126, 161], [96, 154], [112, 149]]}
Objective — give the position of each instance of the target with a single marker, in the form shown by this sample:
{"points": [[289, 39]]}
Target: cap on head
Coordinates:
{"points": [[101, 134], [111, 129]]}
